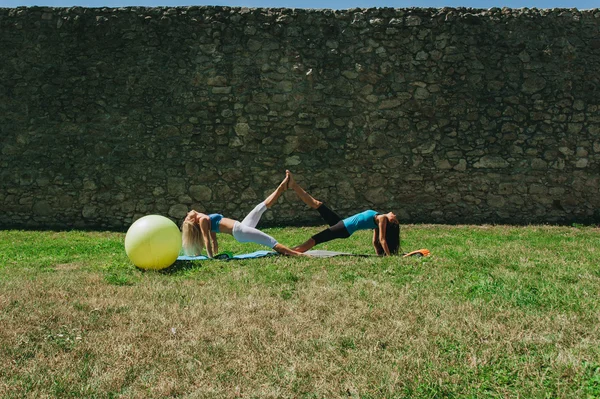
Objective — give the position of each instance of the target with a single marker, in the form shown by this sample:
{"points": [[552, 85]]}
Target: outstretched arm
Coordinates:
{"points": [[205, 230], [215, 243], [376, 245], [382, 224]]}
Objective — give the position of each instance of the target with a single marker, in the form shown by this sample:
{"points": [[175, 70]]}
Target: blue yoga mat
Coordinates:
{"points": [[225, 256]]}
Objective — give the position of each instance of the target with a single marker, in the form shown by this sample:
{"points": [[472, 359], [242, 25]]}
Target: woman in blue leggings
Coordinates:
{"points": [[200, 230], [386, 228]]}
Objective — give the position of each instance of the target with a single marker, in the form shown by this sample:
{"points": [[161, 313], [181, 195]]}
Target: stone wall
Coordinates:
{"points": [[441, 115]]}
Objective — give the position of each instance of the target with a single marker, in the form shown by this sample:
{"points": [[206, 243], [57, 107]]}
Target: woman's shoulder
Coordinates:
{"points": [[379, 217]]}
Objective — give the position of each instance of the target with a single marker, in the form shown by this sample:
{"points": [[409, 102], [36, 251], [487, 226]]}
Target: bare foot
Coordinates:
{"points": [[292, 182], [285, 183]]}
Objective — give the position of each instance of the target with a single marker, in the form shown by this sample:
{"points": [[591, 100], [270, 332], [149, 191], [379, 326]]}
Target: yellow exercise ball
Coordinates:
{"points": [[153, 242]]}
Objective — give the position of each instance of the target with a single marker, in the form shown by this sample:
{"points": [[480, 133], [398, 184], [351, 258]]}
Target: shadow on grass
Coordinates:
{"points": [[181, 266], [177, 267]]}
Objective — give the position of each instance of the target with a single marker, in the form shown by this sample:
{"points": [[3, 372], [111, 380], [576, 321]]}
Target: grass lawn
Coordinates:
{"points": [[495, 312]]}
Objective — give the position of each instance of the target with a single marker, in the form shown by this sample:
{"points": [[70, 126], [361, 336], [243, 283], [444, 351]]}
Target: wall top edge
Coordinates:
{"points": [[440, 10]]}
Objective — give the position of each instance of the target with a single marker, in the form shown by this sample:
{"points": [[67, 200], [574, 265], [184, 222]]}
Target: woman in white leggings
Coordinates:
{"points": [[200, 230]]}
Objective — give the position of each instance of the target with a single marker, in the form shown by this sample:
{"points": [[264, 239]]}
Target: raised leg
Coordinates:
{"points": [[254, 216], [271, 199], [303, 195]]}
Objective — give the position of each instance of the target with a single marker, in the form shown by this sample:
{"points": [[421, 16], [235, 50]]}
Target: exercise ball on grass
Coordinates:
{"points": [[153, 242]]}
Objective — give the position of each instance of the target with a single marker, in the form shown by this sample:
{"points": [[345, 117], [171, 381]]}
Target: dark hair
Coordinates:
{"points": [[392, 237]]}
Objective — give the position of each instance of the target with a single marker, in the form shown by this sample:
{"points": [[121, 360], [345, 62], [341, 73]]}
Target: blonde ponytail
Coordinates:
{"points": [[191, 238]]}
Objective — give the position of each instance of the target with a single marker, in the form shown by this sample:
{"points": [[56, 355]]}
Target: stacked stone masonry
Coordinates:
{"points": [[441, 115]]}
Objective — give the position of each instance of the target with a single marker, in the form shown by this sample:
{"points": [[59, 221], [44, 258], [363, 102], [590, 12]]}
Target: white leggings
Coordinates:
{"points": [[246, 230]]}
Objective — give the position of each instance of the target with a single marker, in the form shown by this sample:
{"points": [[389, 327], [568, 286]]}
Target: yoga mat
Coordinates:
{"points": [[226, 256], [261, 254]]}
